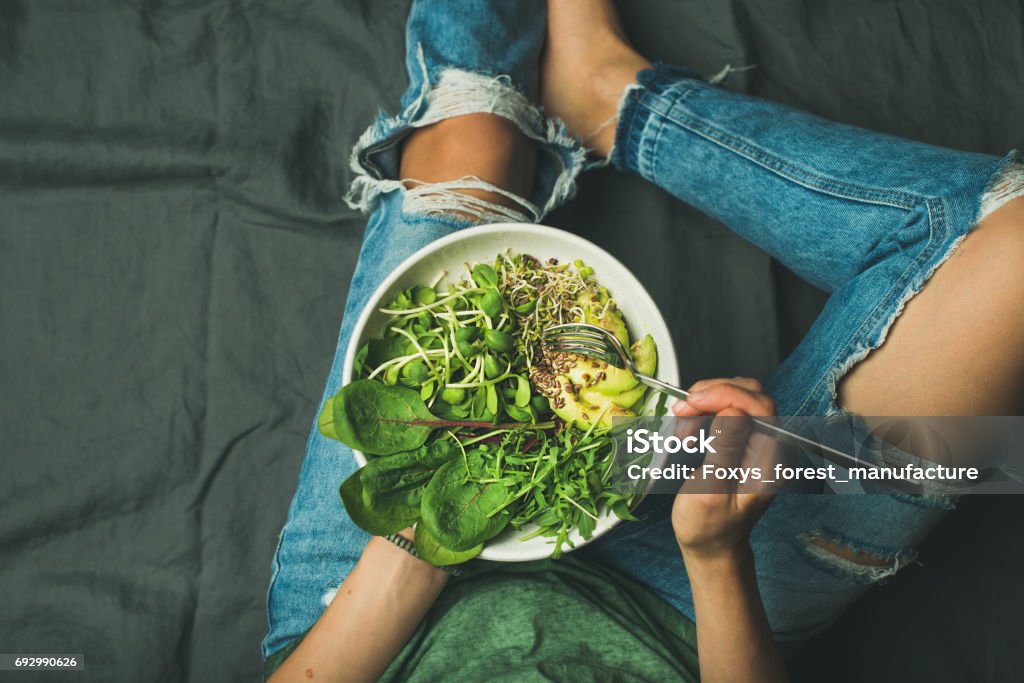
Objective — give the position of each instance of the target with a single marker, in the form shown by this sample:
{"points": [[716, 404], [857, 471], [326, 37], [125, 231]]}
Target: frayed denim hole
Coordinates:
{"points": [[447, 201], [885, 562], [925, 500], [934, 494], [327, 598], [1005, 185], [623, 154], [456, 92], [623, 111], [369, 158], [450, 222], [909, 283]]}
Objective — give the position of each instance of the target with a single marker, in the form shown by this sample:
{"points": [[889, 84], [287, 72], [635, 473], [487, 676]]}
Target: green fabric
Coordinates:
{"points": [[544, 621]]}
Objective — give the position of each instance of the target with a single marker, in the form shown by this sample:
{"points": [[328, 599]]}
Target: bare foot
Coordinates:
{"points": [[587, 65]]}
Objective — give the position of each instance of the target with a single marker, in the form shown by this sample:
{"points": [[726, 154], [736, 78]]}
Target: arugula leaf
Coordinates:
{"points": [[586, 526], [461, 512], [431, 550], [378, 523], [621, 509]]}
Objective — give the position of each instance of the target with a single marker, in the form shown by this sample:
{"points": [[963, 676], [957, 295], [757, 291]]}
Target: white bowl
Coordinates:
{"points": [[481, 245]]}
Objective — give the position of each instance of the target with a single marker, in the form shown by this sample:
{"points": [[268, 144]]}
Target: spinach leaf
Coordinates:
{"points": [[325, 421], [461, 512], [393, 484], [379, 419], [379, 351], [377, 523], [431, 550]]}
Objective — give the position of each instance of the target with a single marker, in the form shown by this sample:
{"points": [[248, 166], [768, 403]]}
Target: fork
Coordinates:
{"points": [[596, 342]]}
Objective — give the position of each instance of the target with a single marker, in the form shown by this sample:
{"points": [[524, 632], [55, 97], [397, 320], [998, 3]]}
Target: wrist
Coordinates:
{"points": [[401, 565], [721, 562]]}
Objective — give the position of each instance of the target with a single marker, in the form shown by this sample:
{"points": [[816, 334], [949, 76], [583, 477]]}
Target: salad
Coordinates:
{"points": [[471, 426]]}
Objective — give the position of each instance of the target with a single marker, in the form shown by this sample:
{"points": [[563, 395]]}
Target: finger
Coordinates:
{"points": [[728, 437], [731, 429], [689, 425], [748, 383], [716, 398], [762, 453], [681, 408], [684, 409]]}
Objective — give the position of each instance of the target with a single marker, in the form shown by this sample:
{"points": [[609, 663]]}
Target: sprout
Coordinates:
{"points": [[541, 295]]}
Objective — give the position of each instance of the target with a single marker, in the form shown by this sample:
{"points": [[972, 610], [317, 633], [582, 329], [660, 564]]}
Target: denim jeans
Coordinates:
{"points": [[861, 215]]}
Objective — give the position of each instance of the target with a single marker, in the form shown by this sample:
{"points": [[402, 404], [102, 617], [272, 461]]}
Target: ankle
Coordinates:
{"points": [[588, 65], [608, 86]]}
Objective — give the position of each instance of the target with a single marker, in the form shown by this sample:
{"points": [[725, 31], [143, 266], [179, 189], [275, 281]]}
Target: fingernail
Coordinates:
{"points": [[680, 407], [696, 396]]}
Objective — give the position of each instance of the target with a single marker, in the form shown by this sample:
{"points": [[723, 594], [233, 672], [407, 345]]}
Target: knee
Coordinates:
{"points": [[479, 166]]}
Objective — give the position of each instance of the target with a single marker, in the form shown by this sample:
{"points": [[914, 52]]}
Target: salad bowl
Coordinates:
{"points": [[446, 260]]}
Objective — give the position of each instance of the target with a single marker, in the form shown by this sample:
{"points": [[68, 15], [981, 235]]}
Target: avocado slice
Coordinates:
{"points": [[583, 414], [645, 355], [593, 304], [598, 375], [624, 399], [567, 404]]}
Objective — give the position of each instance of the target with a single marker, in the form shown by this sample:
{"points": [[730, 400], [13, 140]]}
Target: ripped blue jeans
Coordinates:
{"points": [[862, 215]]}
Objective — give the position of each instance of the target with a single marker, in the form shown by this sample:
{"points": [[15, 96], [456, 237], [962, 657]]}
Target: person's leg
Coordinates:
{"points": [[468, 148], [865, 216]]}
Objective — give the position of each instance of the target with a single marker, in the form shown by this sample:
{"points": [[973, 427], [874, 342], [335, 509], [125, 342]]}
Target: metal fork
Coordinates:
{"points": [[596, 342]]}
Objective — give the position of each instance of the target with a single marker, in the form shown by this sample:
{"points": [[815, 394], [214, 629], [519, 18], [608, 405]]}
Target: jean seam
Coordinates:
{"points": [[274, 573], [652, 140], [936, 224], [812, 180]]}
